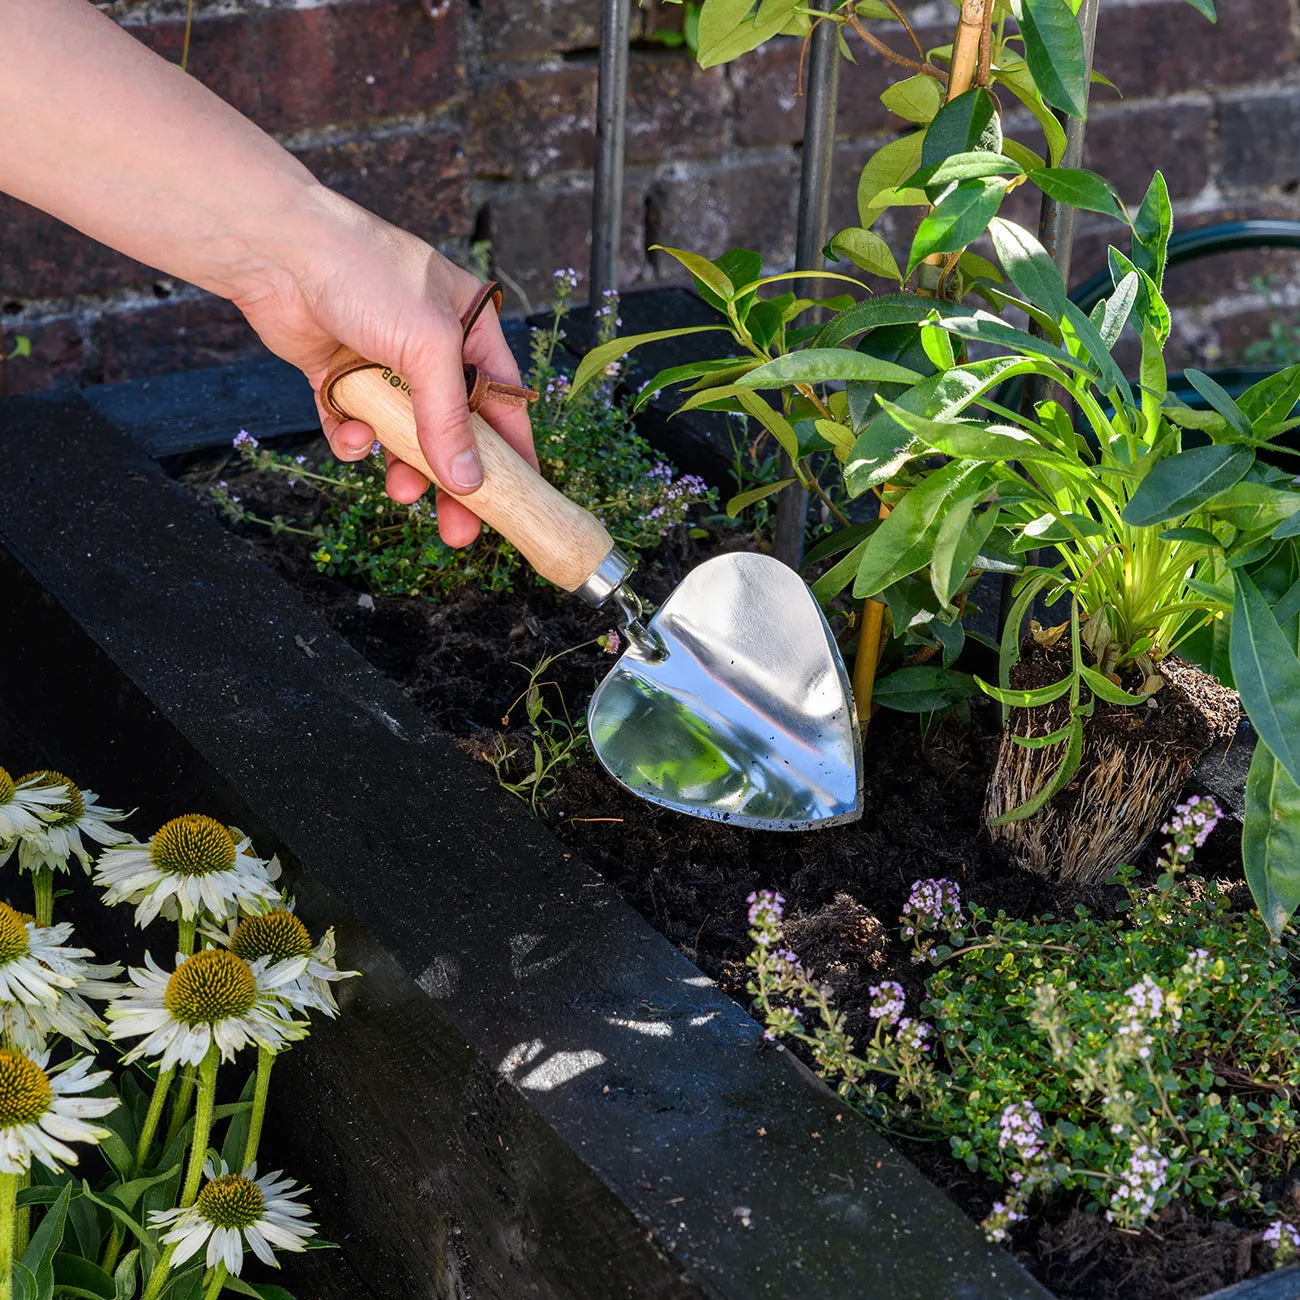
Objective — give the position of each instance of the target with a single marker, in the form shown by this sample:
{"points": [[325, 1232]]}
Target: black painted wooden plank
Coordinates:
{"points": [[1282, 1285], [193, 410], [539, 992]]}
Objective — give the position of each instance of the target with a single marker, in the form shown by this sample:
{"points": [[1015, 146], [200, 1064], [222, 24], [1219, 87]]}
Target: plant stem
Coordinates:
{"points": [[864, 664], [202, 1127], [43, 889], [217, 1285], [181, 1107], [161, 1087], [22, 1218], [265, 1060], [158, 1278], [8, 1201], [975, 15], [109, 1262], [185, 936]]}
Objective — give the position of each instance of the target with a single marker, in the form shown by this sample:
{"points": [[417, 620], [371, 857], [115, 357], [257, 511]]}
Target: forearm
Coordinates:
{"points": [[101, 133]]}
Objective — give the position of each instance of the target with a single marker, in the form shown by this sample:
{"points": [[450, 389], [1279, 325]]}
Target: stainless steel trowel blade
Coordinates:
{"points": [[749, 718]]}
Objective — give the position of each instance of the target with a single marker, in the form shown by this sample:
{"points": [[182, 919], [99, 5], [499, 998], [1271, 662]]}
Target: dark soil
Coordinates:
{"points": [[845, 887]]}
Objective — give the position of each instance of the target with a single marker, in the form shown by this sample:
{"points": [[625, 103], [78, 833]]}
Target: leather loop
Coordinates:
{"points": [[479, 388]]}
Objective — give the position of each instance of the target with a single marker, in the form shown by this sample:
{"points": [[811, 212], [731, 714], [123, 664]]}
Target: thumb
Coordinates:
{"points": [[442, 420]]}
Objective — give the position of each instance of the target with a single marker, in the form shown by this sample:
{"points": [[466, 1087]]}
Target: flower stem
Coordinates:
{"points": [[181, 1107], [114, 1249], [23, 1218], [185, 939], [157, 1279], [265, 1060], [217, 1284], [161, 1088], [202, 1126], [43, 888], [8, 1201]]}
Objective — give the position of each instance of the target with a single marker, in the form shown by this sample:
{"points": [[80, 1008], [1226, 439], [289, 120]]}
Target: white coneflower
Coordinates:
{"points": [[58, 838], [235, 1211], [40, 1111], [211, 998], [21, 803], [280, 936], [43, 985], [193, 866]]}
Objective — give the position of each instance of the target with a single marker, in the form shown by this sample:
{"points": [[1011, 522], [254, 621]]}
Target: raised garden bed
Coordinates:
{"points": [[924, 796], [531, 1093]]}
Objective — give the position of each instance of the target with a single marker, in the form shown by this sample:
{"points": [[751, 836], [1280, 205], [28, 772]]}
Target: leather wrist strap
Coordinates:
{"points": [[479, 388]]}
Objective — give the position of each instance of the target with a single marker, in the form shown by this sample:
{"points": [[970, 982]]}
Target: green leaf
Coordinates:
{"points": [[884, 309], [975, 441], [1270, 839], [963, 167], [1044, 742], [1150, 308], [901, 544], [1201, 536], [839, 542], [123, 1217], [961, 536], [727, 32], [1219, 400], [868, 250], [702, 269], [1031, 270], [817, 365], [1182, 483], [901, 344], [1015, 75], [681, 374], [81, 1277], [592, 366], [49, 1236], [917, 99], [1271, 401], [886, 169], [1078, 188], [1267, 673], [991, 330], [743, 499], [129, 1193], [1060, 778], [1061, 526], [1152, 227], [922, 689], [1118, 308], [124, 1275], [26, 1286], [836, 578], [965, 124], [1205, 8], [958, 219], [1105, 689], [1027, 699], [1110, 376], [1054, 52]]}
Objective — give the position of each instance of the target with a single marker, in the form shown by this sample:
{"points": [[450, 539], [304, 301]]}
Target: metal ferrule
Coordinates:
{"points": [[609, 574]]}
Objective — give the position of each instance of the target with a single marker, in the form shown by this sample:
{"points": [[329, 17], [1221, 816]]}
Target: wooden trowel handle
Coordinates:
{"points": [[563, 542]]}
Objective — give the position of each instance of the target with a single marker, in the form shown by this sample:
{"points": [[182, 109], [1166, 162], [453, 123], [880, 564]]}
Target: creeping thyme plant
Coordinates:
{"points": [[174, 1201], [1143, 1058], [586, 446]]}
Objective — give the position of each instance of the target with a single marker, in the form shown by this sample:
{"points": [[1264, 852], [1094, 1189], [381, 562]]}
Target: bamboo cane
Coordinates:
{"points": [[969, 63]]}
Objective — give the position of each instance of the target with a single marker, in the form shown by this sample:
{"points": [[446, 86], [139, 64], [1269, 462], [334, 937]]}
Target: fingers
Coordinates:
{"points": [[457, 524], [436, 375], [348, 439], [403, 482], [487, 348]]}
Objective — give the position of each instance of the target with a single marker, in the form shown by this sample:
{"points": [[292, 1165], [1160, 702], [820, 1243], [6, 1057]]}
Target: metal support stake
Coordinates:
{"points": [[1056, 234], [810, 239], [611, 131]]}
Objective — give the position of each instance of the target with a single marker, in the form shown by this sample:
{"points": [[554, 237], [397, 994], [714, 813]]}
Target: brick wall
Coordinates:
{"points": [[477, 124]]}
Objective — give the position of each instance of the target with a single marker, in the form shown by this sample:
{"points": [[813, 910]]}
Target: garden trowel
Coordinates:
{"points": [[730, 703]]}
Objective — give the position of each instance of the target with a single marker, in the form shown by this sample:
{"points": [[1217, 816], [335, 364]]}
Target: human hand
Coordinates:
{"points": [[353, 279]]}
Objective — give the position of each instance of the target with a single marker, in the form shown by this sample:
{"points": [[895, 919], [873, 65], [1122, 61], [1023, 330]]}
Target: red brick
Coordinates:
{"points": [[523, 128], [534, 234], [750, 206], [43, 258], [1165, 48], [419, 182], [513, 31], [55, 361], [184, 335], [1126, 145], [770, 110], [294, 68], [1257, 140]]}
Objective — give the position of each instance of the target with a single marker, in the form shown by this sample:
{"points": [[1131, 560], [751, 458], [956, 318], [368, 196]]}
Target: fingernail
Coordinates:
{"points": [[466, 472], [356, 448]]}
